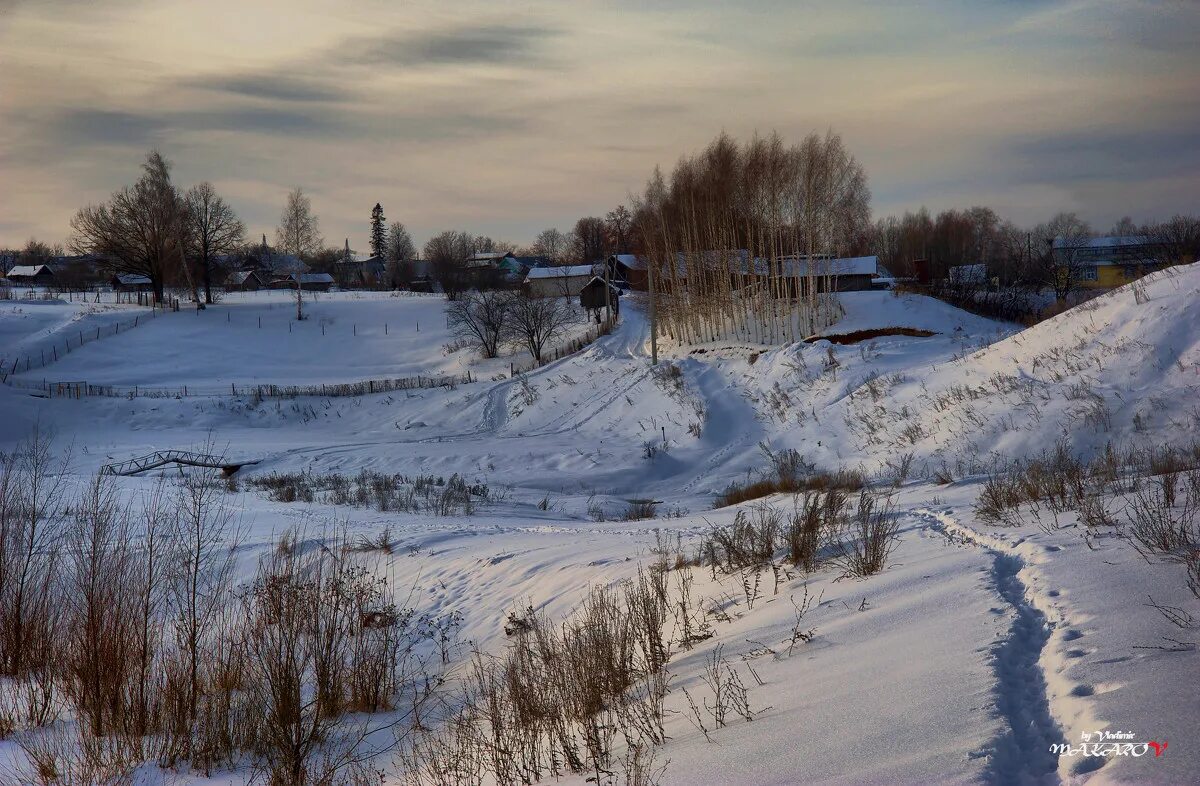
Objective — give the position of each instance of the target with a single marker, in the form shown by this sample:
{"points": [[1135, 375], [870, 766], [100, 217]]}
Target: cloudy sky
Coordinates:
{"points": [[504, 118]]}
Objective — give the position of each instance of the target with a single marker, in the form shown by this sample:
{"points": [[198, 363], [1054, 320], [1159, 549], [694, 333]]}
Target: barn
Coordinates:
{"points": [[793, 274], [628, 270], [131, 282], [565, 281], [309, 282], [32, 275], [592, 295], [243, 281]]}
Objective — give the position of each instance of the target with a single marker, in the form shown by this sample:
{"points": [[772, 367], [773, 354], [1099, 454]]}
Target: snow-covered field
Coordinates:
{"points": [[252, 338], [975, 650]]}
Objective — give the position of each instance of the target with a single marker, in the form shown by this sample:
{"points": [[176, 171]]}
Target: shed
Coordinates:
{"points": [[131, 282], [592, 295], [32, 275], [244, 281]]}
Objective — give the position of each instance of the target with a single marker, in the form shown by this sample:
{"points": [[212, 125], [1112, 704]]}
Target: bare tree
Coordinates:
{"points": [[140, 228], [483, 318], [619, 223], [735, 240], [38, 253], [1066, 237], [448, 253], [400, 253], [591, 240], [550, 243], [535, 322], [298, 232], [214, 229], [1177, 240]]}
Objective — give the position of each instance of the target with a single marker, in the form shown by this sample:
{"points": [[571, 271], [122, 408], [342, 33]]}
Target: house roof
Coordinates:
{"points": [[29, 271], [132, 279], [534, 261], [631, 261], [311, 278], [600, 281], [240, 276], [566, 271], [798, 268], [1106, 241]]}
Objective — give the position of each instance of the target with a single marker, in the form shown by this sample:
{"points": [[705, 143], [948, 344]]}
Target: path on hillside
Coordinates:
{"points": [[1022, 753], [627, 341]]}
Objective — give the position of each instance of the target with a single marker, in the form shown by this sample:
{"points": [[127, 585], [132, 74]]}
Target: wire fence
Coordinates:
{"points": [[80, 389], [570, 348], [46, 355]]}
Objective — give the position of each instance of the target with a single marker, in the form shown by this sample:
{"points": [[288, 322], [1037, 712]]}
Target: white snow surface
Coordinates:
{"points": [[973, 652]]}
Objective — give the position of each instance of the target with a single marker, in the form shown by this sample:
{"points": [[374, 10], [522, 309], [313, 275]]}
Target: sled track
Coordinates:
{"points": [[1022, 753]]}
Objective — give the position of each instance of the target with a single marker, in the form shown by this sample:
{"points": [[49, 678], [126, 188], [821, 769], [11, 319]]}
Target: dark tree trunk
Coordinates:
{"points": [[207, 280]]}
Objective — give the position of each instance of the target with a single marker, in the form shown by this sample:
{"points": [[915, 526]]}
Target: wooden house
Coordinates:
{"points": [[565, 281], [592, 297], [244, 281], [131, 282], [32, 275]]}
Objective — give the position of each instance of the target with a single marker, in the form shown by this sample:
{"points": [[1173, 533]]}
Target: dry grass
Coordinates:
{"points": [[790, 474], [124, 641]]}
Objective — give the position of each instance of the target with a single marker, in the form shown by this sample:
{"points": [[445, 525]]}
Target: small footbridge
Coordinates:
{"points": [[161, 458]]}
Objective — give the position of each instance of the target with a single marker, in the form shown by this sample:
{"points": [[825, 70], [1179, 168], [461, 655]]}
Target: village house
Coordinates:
{"points": [[309, 282], [244, 281], [628, 271], [32, 275], [1109, 261], [791, 276], [565, 281], [420, 275], [361, 270]]}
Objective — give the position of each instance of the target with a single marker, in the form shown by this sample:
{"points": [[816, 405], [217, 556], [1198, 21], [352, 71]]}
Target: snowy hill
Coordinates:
{"points": [[974, 650]]}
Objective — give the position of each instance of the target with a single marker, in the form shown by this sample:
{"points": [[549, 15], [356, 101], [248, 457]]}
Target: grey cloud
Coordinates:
{"points": [[1101, 155], [273, 87], [456, 46], [94, 126]]}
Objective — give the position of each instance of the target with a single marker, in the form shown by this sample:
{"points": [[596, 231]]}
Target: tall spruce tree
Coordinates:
{"points": [[378, 231]]}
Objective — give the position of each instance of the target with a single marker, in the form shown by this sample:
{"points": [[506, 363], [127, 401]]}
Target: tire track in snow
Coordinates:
{"points": [[1022, 753]]}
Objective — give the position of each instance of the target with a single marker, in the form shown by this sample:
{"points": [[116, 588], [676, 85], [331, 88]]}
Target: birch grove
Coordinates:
{"points": [[737, 240]]}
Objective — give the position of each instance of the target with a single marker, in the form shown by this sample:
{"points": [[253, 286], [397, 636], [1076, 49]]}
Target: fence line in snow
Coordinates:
{"points": [[78, 389], [81, 389], [51, 354]]}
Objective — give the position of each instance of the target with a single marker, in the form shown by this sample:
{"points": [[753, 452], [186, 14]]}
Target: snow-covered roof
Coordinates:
{"points": [[854, 266], [29, 271], [133, 279], [1107, 241], [240, 276], [798, 268], [631, 261], [312, 278], [598, 279], [566, 271]]}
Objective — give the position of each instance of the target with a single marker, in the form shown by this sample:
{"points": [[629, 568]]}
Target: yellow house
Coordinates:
{"points": [[1107, 262]]}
